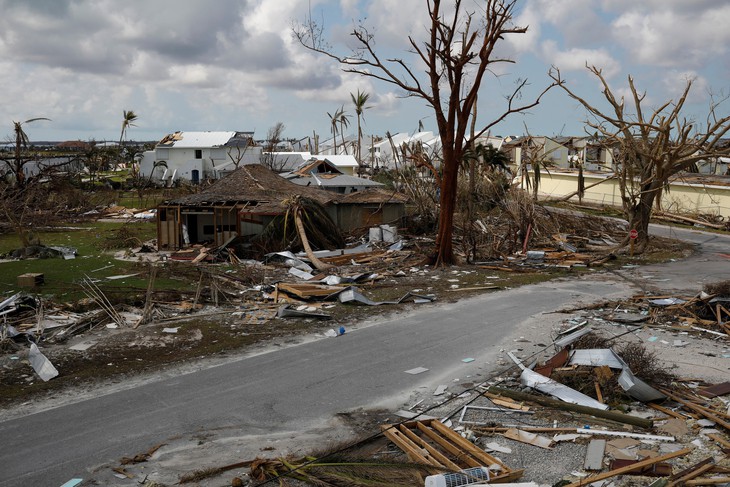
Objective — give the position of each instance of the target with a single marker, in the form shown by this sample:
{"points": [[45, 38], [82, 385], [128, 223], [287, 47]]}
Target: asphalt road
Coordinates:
{"points": [[292, 387]]}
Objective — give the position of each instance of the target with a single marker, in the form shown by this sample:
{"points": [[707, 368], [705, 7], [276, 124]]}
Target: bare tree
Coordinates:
{"points": [[274, 136], [459, 52], [17, 205], [236, 153], [651, 150]]}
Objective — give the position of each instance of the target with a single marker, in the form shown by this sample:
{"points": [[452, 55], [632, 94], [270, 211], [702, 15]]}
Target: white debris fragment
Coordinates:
{"points": [[42, 366]]}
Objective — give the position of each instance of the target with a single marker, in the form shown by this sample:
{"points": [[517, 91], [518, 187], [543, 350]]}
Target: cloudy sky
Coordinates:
{"points": [[233, 64]]}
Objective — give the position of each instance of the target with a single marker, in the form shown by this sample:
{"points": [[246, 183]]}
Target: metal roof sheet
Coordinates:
{"points": [[331, 180], [596, 357], [547, 385], [342, 160]]}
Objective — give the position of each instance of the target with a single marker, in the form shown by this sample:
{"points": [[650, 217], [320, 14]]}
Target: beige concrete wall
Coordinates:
{"points": [[681, 198]]}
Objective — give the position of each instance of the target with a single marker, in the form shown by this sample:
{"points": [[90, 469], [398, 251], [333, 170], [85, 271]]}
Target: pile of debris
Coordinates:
{"points": [[597, 412]]}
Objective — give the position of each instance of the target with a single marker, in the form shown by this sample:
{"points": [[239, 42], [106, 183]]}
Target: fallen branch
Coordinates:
{"points": [[670, 216]]}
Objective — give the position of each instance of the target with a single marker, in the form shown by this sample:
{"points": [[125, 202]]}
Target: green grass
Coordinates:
{"points": [[62, 276], [150, 199]]}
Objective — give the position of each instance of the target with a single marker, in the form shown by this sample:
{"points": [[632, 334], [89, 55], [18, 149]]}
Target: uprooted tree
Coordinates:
{"points": [[457, 54], [650, 148]]}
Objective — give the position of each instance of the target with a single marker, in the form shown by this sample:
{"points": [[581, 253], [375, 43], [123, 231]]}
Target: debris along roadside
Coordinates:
{"points": [[672, 430], [587, 422], [384, 272], [221, 307], [251, 299]]}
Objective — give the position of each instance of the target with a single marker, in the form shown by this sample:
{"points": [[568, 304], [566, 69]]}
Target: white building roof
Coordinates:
{"points": [[197, 139], [342, 160]]}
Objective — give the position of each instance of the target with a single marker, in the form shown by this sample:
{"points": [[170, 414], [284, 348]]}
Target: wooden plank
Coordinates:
{"points": [[715, 390], [599, 395], [476, 452], [623, 470], [440, 457], [690, 469], [656, 470], [410, 449], [509, 404], [691, 475], [719, 439], [308, 290], [448, 446], [666, 411], [714, 481], [463, 453], [699, 409]]}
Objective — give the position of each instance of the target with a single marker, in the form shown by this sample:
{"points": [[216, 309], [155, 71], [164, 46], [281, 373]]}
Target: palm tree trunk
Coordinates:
{"points": [[305, 243], [359, 147]]}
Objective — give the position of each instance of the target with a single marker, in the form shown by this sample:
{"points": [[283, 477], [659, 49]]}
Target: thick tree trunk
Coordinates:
{"points": [[444, 238], [639, 218]]}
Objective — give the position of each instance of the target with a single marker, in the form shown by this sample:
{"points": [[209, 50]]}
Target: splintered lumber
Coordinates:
{"points": [[628, 469], [506, 402], [713, 481], [692, 475], [306, 291], [700, 410], [719, 439], [655, 470], [432, 443], [566, 406], [685, 474], [666, 411]]}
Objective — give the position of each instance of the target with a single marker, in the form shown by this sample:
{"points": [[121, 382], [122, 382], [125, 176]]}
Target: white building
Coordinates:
{"points": [[196, 156]]}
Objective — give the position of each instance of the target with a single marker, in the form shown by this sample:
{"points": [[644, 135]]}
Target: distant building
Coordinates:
{"points": [[323, 174], [197, 156]]}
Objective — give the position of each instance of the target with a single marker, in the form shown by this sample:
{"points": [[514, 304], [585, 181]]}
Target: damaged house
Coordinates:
{"points": [[324, 174], [246, 201], [196, 156]]}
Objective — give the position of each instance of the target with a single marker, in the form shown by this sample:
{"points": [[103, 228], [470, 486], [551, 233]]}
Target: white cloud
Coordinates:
{"points": [[674, 37], [675, 82], [234, 63], [530, 17], [576, 59]]}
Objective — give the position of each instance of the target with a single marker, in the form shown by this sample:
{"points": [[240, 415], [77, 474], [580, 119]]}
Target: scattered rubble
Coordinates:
{"points": [[617, 414]]}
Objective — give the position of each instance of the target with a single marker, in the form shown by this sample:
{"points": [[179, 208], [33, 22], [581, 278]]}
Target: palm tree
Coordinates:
{"points": [[344, 123], [359, 101], [128, 119], [21, 140], [334, 120], [493, 158]]}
